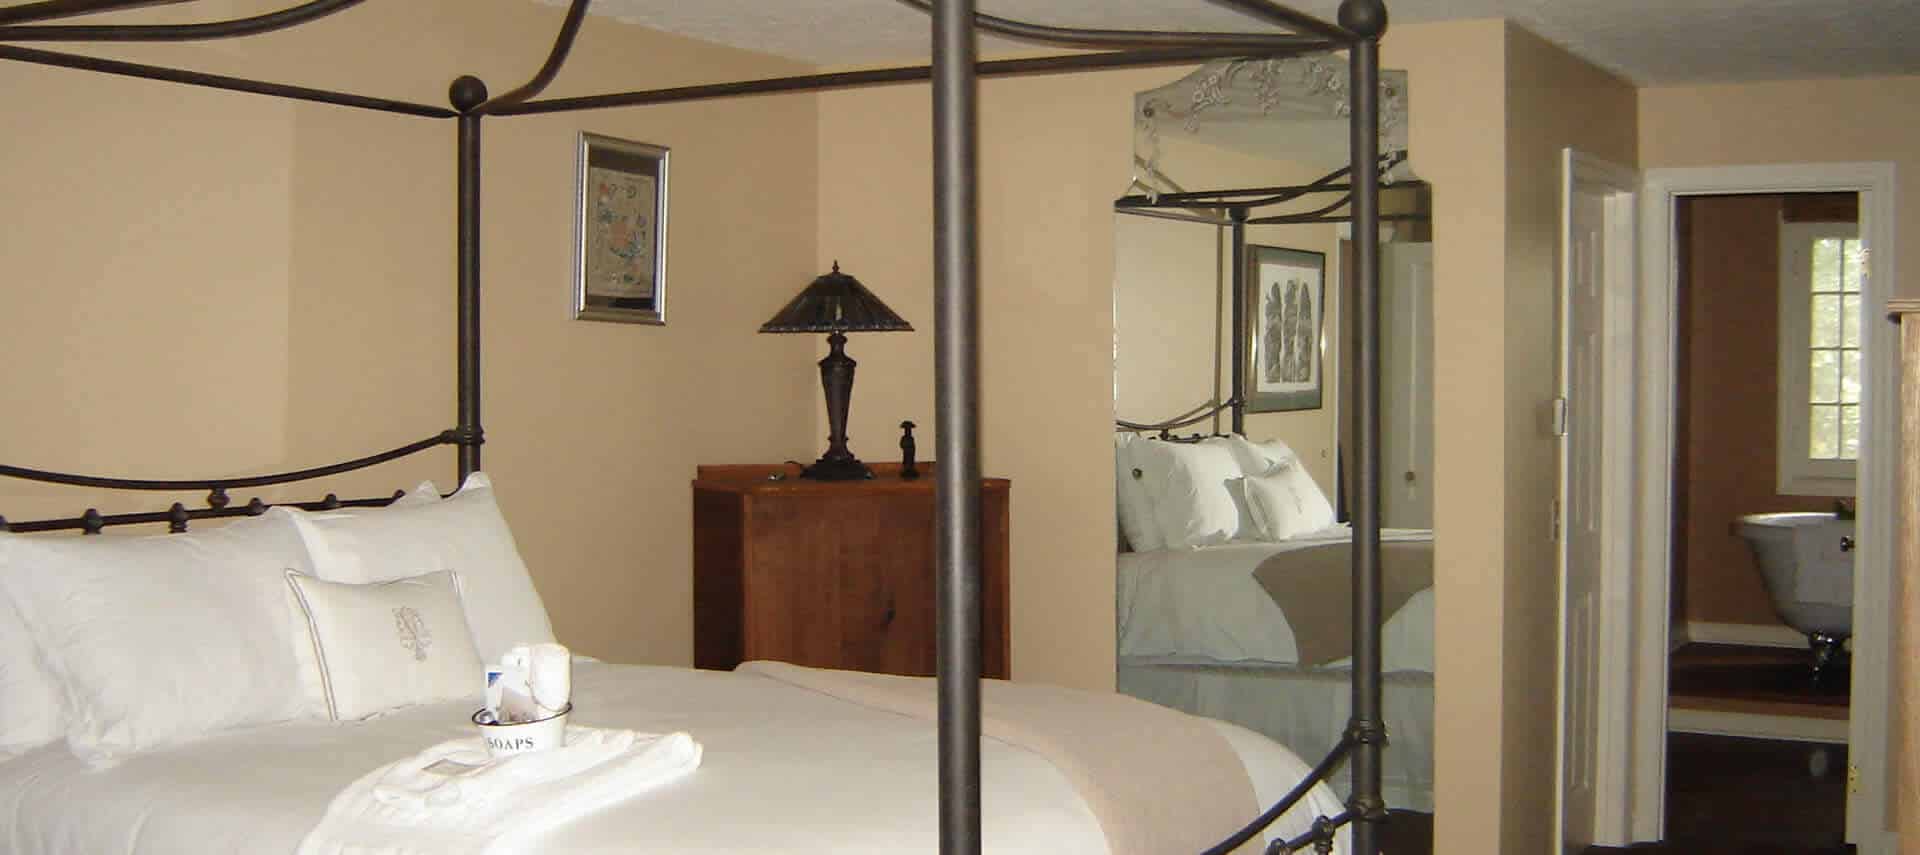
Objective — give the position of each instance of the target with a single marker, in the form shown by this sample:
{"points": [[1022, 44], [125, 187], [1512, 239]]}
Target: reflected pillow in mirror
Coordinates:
{"points": [[1138, 523], [1286, 502], [1188, 485], [1260, 458]]}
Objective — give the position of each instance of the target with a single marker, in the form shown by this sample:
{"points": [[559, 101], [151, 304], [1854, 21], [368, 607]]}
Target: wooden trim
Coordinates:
{"points": [[783, 479], [1906, 677], [1746, 634], [1757, 726], [1758, 706]]}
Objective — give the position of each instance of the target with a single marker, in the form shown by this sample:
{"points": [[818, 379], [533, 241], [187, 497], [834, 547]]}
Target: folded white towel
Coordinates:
{"points": [[454, 798]]}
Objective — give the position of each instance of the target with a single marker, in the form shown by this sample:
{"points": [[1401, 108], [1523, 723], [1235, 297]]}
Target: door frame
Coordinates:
{"points": [[1870, 794], [1614, 773]]}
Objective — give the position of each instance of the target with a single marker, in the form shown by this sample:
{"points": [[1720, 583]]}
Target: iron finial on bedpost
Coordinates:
{"points": [[331, 502], [177, 518], [255, 507], [217, 499], [92, 522], [467, 92], [1365, 18]]}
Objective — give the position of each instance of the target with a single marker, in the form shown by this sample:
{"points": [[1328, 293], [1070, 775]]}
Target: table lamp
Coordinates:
{"points": [[836, 304]]}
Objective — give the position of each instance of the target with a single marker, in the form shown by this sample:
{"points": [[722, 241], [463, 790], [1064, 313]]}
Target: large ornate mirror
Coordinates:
{"points": [[1231, 337]]}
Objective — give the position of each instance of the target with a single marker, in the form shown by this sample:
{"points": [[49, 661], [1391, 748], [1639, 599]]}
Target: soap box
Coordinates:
{"points": [[505, 740]]}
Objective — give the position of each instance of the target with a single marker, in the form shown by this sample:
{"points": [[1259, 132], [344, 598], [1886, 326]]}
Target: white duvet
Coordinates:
{"points": [[1203, 606], [784, 770]]}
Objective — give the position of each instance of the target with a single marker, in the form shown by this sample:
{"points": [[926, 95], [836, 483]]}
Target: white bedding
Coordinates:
{"points": [[784, 769], [1203, 606], [1306, 709]]}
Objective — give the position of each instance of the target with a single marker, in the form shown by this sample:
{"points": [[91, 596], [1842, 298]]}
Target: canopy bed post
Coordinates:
{"points": [[1239, 301], [957, 414], [1368, 19], [467, 94]]}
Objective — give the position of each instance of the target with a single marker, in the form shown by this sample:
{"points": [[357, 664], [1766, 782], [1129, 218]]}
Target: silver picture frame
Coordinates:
{"points": [[620, 231], [1285, 337]]}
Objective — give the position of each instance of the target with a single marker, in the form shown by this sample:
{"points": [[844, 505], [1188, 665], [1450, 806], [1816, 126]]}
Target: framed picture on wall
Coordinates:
{"points": [[1284, 338], [620, 252]]}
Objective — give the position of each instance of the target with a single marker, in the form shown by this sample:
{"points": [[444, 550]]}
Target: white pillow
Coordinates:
{"points": [[32, 712], [1137, 520], [1286, 502], [425, 493], [1260, 458], [162, 639], [1188, 485], [385, 645], [463, 532]]}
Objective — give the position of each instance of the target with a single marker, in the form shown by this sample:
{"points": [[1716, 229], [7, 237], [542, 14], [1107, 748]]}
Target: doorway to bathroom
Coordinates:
{"points": [[1767, 435], [1767, 372]]}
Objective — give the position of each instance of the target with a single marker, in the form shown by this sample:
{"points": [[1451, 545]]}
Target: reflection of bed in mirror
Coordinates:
{"points": [[1234, 602], [1234, 593]]}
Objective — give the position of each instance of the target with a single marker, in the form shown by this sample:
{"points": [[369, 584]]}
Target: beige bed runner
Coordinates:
{"points": [[1158, 780], [1314, 587]]}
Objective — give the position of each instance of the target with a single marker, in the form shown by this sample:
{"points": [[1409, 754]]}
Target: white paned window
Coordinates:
{"points": [[1822, 268]]}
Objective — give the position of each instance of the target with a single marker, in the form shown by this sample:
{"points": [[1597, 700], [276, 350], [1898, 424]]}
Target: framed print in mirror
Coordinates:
{"points": [[620, 256], [1287, 296]]}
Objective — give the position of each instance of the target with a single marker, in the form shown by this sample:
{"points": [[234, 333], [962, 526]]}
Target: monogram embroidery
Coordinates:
{"points": [[413, 632]]}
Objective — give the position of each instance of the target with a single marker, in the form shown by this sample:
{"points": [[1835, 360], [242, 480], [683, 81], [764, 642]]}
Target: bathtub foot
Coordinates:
{"points": [[1828, 649]]}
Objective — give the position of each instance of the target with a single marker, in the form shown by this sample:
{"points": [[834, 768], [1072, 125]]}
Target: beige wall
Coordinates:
{"points": [[1167, 307], [1801, 121], [1054, 155], [1554, 100], [312, 247]]}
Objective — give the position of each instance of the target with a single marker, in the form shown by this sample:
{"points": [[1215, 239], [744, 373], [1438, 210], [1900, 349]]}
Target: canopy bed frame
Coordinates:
{"points": [[953, 72]]}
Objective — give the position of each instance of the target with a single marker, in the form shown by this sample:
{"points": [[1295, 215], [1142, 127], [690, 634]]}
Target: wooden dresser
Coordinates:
{"points": [[833, 574]]}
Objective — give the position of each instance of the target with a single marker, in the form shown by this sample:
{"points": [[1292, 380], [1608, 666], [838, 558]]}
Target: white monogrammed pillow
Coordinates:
{"points": [[385, 645]]}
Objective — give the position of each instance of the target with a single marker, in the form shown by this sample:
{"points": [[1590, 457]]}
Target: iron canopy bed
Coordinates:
{"points": [[953, 72]]}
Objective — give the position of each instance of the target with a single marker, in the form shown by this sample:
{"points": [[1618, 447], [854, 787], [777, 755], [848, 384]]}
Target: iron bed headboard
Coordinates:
{"points": [[954, 71]]}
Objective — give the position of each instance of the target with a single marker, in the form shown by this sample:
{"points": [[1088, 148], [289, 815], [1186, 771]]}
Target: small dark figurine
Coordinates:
{"points": [[907, 470]]}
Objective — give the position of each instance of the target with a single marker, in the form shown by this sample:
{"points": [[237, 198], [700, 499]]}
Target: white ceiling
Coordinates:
{"points": [[1649, 42]]}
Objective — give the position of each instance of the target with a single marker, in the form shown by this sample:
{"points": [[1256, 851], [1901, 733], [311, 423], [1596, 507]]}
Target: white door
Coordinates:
{"points": [[1580, 384], [1593, 529], [1406, 382]]}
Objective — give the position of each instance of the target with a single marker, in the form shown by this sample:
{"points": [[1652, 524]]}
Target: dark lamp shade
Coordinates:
{"points": [[836, 302]]}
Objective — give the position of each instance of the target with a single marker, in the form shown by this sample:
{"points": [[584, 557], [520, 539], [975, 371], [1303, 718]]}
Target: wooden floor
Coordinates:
{"points": [[1762, 680], [1730, 796], [1725, 795]]}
